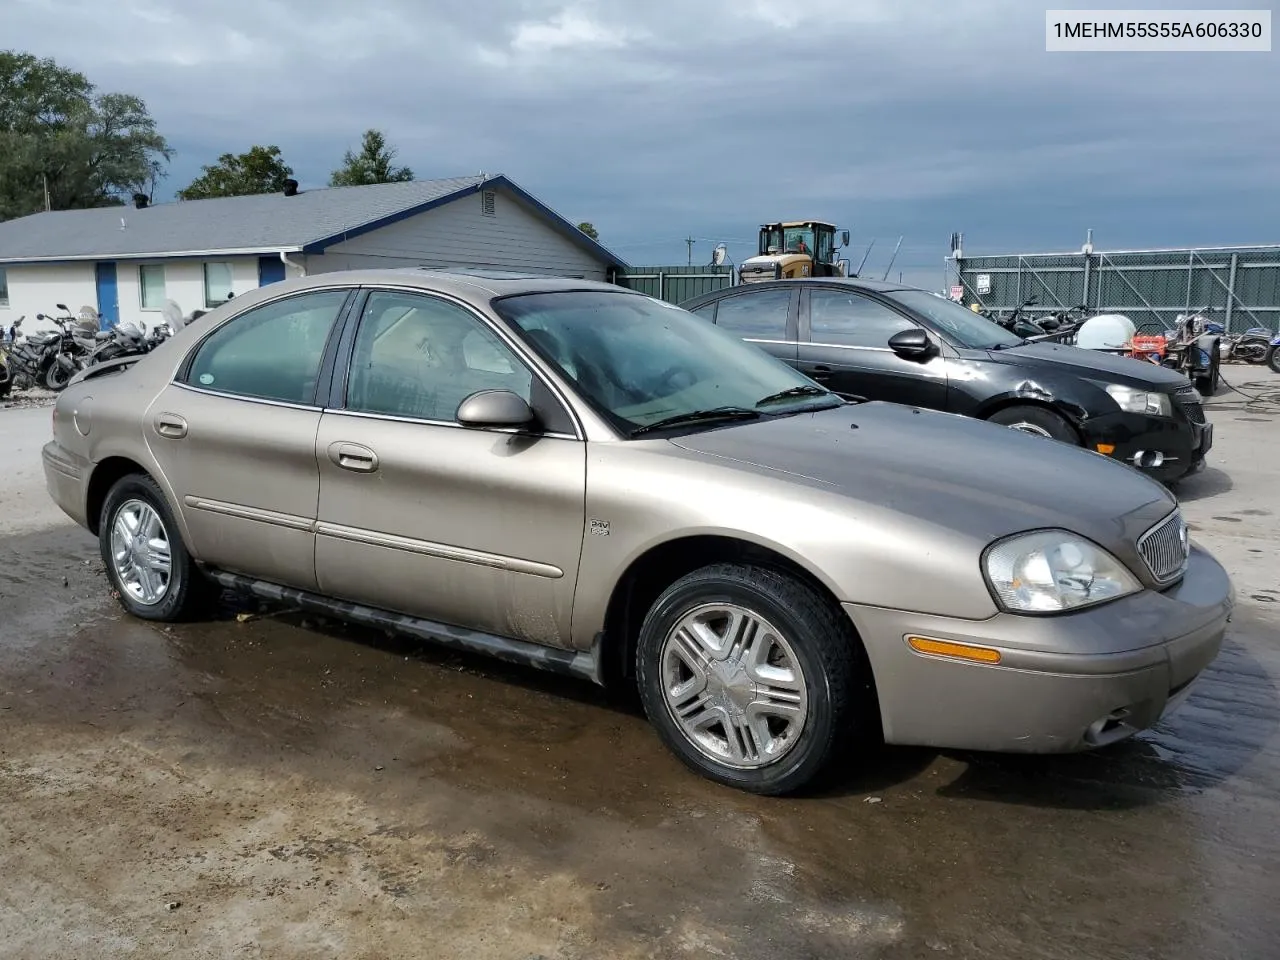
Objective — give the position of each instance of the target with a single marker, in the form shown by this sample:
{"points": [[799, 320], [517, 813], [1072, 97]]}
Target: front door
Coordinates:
{"points": [[477, 528], [844, 345], [235, 438], [108, 294]]}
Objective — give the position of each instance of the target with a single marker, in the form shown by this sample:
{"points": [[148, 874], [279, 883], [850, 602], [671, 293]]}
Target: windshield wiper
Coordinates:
{"points": [[804, 390], [699, 416]]}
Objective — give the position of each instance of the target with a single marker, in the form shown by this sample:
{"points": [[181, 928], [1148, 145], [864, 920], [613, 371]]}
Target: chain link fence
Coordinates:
{"points": [[1238, 285]]}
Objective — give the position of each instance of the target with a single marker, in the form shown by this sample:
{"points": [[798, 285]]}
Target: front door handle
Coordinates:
{"points": [[171, 425], [352, 456], [820, 372]]}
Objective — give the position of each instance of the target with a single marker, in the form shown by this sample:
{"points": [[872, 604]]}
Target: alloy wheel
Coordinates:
{"points": [[733, 685], [140, 552]]}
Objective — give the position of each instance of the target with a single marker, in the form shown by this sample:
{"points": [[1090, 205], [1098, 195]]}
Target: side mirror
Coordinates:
{"points": [[913, 344], [845, 238], [494, 408], [63, 307]]}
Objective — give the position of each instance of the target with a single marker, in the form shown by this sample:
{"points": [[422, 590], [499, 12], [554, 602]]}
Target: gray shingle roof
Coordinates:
{"points": [[265, 222]]}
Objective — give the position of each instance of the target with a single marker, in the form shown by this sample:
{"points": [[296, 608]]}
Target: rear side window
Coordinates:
{"points": [[272, 352], [761, 316]]}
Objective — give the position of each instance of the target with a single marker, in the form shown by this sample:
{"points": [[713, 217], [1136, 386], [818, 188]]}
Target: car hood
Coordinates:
{"points": [[963, 475], [1094, 364]]}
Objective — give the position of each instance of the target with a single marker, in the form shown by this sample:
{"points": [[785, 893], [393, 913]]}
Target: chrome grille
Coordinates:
{"points": [[1189, 400], [1164, 548]]}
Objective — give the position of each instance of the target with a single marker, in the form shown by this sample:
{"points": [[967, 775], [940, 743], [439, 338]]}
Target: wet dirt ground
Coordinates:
{"points": [[289, 788]]}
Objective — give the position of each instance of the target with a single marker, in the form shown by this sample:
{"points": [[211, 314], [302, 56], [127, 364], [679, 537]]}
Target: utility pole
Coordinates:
{"points": [[45, 178], [690, 241]]}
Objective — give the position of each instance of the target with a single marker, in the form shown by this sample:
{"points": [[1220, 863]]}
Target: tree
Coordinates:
{"points": [[57, 134], [371, 165], [589, 230], [260, 170]]}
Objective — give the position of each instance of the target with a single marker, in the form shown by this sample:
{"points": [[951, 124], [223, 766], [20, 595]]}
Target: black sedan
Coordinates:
{"points": [[886, 341]]}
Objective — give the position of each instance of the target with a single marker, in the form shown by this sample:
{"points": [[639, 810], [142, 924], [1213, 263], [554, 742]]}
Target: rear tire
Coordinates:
{"points": [[146, 560], [752, 678], [1037, 421], [1273, 358]]}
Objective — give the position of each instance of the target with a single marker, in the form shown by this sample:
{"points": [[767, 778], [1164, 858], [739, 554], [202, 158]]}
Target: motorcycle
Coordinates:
{"points": [[1273, 354], [31, 356], [77, 339]]}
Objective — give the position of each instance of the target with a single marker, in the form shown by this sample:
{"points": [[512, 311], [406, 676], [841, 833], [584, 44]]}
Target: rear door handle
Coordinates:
{"points": [[352, 456], [171, 425]]}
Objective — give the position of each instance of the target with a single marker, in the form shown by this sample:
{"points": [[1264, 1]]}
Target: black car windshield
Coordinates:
{"points": [[966, 328], [640, 361]]}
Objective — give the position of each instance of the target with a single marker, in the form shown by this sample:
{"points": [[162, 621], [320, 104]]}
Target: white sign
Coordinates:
{"points": [[957, 294], [984, 283]]}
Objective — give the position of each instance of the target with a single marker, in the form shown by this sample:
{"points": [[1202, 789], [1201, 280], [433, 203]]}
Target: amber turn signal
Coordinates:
{"points": [[961, 651]]}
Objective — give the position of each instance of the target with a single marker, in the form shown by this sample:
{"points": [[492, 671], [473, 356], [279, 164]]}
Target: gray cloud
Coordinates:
{"points": [[667, 118]]}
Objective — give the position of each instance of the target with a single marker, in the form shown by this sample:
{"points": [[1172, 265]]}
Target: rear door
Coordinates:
{"points": [[766, 317], [235, 437], [844, 345]]}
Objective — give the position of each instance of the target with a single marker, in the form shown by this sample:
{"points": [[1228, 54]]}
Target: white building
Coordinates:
{"points": [[127, 261]]}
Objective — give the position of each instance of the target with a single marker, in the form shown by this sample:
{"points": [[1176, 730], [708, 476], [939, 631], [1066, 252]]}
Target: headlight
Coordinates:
{"points": [[1053, 570], [1139, 401]]}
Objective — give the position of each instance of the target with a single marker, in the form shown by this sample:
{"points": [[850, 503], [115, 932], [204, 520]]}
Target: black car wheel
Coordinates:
{"points": [[1036, 421], [751, 677], [146, 560], [1273, 359]]}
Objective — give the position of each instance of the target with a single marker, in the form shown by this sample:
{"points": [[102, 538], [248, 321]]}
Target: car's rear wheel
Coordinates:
{"points": [[751, 677], [1273, 358], [146, 560], [1036, 421]]}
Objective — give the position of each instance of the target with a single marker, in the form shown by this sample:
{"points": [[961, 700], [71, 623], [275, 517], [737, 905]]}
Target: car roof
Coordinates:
{"points": [[858, 283]]}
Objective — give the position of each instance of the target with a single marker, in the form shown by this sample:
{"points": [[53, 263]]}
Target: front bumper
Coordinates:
{"points": [[1064, 684], [1165, 448]]}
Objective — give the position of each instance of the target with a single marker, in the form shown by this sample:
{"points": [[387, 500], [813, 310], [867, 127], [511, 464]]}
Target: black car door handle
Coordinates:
{"points": [[820, 371]]}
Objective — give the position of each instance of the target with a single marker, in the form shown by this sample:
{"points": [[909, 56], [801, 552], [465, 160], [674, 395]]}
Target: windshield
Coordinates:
{"points": [[638, 360], [790, 240], [966, 328]]}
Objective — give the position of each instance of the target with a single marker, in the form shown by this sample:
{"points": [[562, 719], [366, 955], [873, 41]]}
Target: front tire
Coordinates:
{"points": [[751, 677], [1273, 358], [1208, 384], [146, 560], [1036, 421]]}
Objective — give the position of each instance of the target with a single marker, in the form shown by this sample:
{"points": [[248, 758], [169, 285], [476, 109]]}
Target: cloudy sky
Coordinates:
{"points": [[663, 119]]}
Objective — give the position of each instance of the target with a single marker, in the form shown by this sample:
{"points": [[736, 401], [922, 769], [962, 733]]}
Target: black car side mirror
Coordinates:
{"points": [[913, 344], [494, 408]]}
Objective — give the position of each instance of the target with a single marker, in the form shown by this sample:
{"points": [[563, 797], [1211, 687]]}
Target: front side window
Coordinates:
{"points": [[966, 328], [272, 352], [217, 284], [845, 318], [151, 286], [639, 361], [4, 288], [759, 316], [419, 356]]}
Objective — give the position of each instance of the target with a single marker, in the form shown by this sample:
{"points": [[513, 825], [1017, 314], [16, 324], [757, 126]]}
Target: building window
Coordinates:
{"points": [[151, 286], [217, 284], [4, 288]]}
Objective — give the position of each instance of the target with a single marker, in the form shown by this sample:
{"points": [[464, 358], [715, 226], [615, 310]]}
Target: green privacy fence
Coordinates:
{"points": [[1239, 285], [675, 284]]}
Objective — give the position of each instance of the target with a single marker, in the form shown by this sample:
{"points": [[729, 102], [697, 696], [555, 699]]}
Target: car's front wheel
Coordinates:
{"points": [[146, 560], [751, 677], [1037, 421]]}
